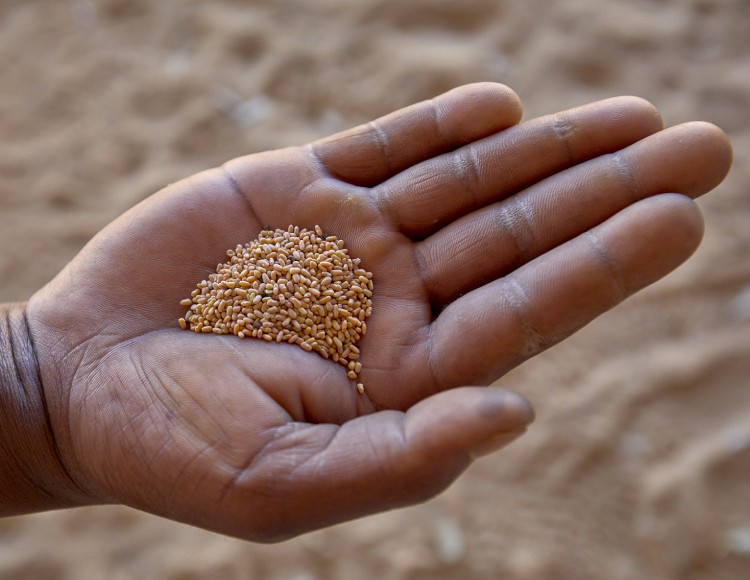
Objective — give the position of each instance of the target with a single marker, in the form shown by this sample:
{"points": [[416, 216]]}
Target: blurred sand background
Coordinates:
{"points": [[638, 466]]}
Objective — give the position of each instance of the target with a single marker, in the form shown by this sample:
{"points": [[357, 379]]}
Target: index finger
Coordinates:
{"points": [[373, 152], [425, 198]]}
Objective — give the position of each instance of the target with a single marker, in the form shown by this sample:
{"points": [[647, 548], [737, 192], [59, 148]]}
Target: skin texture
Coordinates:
{"points": [[489, 241]]}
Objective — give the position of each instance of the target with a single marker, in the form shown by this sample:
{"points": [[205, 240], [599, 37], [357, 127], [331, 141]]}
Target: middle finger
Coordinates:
{"points": [[690, 159]]}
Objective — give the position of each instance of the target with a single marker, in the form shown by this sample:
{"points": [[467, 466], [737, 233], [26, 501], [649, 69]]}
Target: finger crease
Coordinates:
{"points": [[433, 108], [515, 298], [268, 448], [236, 186], [604, 257], [465, 168], [625, 175], [317, 160], [431, 356], [565, 131], [516, 220], [382, 199], [383, 143]]}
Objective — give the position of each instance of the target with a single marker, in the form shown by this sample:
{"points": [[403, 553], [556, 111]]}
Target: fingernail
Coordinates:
{"points": [[495, 443]]}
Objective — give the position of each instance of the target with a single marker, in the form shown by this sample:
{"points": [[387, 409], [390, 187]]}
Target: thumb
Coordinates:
{"points": [[467, 423], [323, 474]]}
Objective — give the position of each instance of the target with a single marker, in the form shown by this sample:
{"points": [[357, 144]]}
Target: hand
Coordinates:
{"points": [[489, 241]]}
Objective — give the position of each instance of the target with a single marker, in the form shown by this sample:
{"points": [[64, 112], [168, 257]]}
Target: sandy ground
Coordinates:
{"points": [[639, 462]]}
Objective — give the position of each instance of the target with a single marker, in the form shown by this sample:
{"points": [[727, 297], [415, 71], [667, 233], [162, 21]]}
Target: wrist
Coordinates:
{"points": [[32, 476]]}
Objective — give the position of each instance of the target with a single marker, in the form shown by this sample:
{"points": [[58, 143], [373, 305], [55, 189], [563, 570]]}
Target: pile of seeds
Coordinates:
{"points": [[294, 286]]}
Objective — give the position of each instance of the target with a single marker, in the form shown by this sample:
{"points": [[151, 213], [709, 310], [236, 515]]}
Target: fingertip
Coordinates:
{"points": [[491, 94], [511, 409], [446, 431], [715, 142], [479, 109], [643, 108], [457, 420], [513, 414], [635, 115], [669, 228], [500, 96], [681, 216]]}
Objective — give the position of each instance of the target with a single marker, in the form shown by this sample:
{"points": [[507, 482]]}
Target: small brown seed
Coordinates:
{"points": [[292, 285]]}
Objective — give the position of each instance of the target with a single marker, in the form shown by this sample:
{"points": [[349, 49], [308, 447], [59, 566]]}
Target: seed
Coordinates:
{"points": [[292, 285]]}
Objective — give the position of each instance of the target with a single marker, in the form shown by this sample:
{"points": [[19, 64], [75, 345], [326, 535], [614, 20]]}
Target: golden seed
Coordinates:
{"points": [[292, 285]]}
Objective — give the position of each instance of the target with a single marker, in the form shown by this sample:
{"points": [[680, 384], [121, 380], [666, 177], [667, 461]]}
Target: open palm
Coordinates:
{"points": [[489, 241]]}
